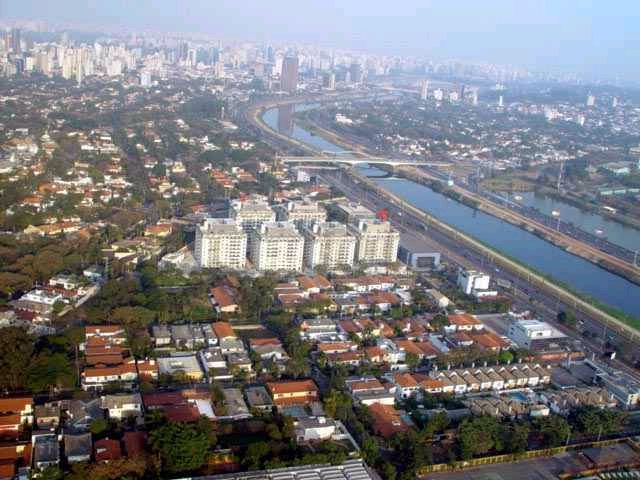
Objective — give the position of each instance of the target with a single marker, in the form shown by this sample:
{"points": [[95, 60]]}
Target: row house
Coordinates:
{"points": [[295, 392], [15, 413], [462, 381], [368, 390]]}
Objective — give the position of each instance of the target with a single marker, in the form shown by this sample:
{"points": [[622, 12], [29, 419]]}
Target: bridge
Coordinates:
{"points": [[353, 161]]}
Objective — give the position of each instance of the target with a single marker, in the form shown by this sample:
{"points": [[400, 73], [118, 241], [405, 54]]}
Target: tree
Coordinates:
{"points": [[567, 318], [255, 454], [594, 421], [133, 317], [554, 429], [517, 438], [505, 356], [16, 350], [479, 435], [50, 370], [412, 360], [182, 447]]}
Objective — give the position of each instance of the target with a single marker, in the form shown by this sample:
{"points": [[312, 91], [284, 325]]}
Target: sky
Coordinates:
{"points": [[594, 37]]}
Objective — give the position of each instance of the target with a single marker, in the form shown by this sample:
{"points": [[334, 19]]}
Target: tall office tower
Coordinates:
{"points": [[183, 51], [591, 101], [614, 102], [501, 102], [424, 89], [302, 214], [192, 57], [329, 81], [277, 246], [462, 89], [15, 41], [289, 76], [475, 98], [220, 243], [328, 244], [377, 241], [357, 74]]}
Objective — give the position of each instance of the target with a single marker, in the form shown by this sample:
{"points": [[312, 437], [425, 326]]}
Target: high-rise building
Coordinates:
{"points": [[377, 241], [302, 214], [591, 100], [357, 74], [328, 244], [289, 76], [277, 246], [15, 41], [501, 102], [329, 81], [220, 243], [614, 102], [424, 89], [252, 213]]}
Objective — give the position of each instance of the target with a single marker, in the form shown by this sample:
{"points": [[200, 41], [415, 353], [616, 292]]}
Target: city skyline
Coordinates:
{"points": [[592, 40]]}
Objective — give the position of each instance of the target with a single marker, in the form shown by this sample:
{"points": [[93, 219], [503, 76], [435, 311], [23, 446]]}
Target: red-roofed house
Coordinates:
{"points": [[463, 321], [107, 450], [387, 420], [14, 413], [225, 299], [294, 392]]}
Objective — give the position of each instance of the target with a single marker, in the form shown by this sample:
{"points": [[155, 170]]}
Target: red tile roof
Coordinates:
{"points": [[107, 449], [223, 330], [463, 319], [15, 404]]}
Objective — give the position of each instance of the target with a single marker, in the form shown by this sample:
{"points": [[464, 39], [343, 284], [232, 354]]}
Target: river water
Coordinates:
{"points": [[516, 242], [615, 232]]}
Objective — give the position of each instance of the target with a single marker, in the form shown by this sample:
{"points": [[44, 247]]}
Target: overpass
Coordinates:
{"points": [[353, 161]]}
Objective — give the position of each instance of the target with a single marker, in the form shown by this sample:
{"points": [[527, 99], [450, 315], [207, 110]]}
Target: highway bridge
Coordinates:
{"points": [[359, 161]]}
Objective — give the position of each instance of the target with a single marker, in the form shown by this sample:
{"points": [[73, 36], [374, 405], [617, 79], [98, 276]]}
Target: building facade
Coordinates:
{"points": [[277, 246], [377, 241], [328, 244], [220, 243]]}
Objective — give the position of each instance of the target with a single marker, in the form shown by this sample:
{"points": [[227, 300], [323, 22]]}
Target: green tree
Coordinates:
{"points": [[16, 350], [479, 435], [567, 318], [412, 360], [505, 356], [182, 447], [554, 429], [518, 437], [595, 421], [50, 370], [255, 455]]}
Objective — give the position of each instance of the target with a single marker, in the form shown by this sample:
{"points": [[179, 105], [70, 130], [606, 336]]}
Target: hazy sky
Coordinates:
{"points": [[586, 36]]}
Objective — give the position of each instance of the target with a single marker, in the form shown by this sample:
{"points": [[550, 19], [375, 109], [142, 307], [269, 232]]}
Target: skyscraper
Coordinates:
{"points": [[15, 41], [289, 76], [356, 73], [424, 89]]}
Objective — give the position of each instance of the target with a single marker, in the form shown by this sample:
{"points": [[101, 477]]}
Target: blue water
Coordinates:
{"points": [[516, 242]]}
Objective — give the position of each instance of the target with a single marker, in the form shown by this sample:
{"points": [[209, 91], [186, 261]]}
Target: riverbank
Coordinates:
{"points": [[560, 240], [549, 286]]}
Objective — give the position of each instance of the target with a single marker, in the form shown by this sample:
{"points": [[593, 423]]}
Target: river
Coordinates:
{"points": [[516, 242], [615, 232]]}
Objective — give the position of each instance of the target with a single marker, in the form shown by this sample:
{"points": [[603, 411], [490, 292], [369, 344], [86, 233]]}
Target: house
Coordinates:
{"points": [[387, 420], [318, 327], [14, 413], [96, 378], [114, 334], [406, 385], [122, 406], [77, 447], [223, 331], [107, 450], [161, 335], [258, 397], [47, 416], [236, 406], [14, 457], [181, 364], [79, 414], [294, 392], [268, 348], [349, 359], [224, 299], [368, 390], [134, 443], [314, 429], [463, 322], [147, 370], [46, 451]]}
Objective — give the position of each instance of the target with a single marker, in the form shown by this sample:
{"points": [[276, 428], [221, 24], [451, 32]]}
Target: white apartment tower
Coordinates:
{"points": [[252, 213], [303, 214], [328, 244], [220, 243], [377, 241], [277, 246]]}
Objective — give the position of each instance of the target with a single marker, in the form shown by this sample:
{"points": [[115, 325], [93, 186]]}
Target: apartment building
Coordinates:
{"points": [[277, 246], [252, 213], [303, 213], [377, 241], [328, 244], [221, 243]]}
